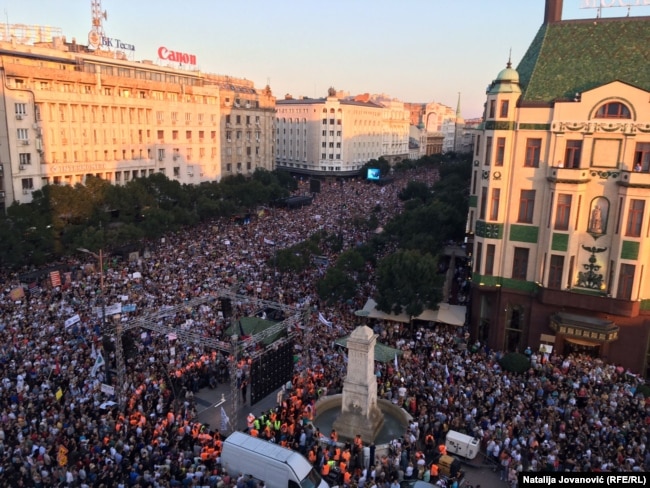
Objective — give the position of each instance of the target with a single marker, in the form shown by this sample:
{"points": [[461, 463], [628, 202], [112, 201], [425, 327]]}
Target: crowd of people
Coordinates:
{"points": [[62, 423]]}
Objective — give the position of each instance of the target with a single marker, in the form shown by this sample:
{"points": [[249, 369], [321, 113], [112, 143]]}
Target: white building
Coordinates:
{"points": [[337, 136]]}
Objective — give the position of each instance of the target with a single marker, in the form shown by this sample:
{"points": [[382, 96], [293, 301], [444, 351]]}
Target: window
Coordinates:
{"points": [[479, 255], [488, 150], [483, 203], [533, 150], [526, 206], [562, 212], [174, 116], [493, 105], [625, 282], [555, 272], [22, 134], [27, 184], [175, 135], [237, 119], [520, 263], [494, 211], [642, 157], [503, 112], [572, 154], [478, 144], [489, 259], [21, 109], [25, 158], [501, 151], [188, 135], [161, 154], [613, 110], [635, 218], [229, 167], [324, 121]]}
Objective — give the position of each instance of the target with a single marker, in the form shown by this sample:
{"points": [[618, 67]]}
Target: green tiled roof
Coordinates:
{"points": [[577, 55]]}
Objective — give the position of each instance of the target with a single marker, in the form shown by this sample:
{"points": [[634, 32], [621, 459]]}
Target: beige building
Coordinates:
{"points": [[71, 112], [560, 195], [328, 136], [247, 126]]}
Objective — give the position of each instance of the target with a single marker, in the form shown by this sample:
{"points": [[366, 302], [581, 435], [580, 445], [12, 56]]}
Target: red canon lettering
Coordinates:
{"points": [[176, 56]]}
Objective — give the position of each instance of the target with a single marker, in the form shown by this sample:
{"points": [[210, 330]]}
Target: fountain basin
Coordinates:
{"points": [[396, 420]]}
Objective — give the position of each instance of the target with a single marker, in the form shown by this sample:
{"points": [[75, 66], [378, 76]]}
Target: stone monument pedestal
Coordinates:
{"points": [[359, 412]]}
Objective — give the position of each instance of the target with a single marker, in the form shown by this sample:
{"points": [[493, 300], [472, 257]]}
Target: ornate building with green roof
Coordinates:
{"points": [[560, 195]]}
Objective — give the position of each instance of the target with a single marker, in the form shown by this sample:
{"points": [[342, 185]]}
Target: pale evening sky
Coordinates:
{"points": [[412, 50]]}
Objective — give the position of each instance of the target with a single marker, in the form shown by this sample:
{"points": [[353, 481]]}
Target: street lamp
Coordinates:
{"points": [[119, 353]]}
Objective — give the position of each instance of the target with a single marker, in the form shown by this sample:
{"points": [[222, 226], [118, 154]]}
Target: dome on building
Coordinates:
{"points": [[508, 74], [506, 82]]}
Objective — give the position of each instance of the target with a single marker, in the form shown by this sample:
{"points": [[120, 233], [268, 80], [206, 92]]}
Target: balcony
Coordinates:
{"points": [[634, 179], [596, 303], [558, 174]]}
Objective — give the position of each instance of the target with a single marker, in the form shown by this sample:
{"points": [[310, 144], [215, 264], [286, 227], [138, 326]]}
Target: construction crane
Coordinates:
{"points": [[155, 322]]}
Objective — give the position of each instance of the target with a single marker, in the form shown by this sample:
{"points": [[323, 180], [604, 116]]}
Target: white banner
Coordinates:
{"points": [[72, 320], [109, 310], [108, 389]]}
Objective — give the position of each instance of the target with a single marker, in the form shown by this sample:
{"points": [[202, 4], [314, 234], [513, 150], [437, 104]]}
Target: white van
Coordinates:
{"points": [[277, 466], [462, 444]]}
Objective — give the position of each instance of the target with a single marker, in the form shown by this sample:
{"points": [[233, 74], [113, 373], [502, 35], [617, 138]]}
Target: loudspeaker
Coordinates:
{"points": [[314, 186], [226, 307]]}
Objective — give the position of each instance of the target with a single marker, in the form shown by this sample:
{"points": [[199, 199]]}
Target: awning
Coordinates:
{"points": [[383, 353], [447, 314], [583, 327]]}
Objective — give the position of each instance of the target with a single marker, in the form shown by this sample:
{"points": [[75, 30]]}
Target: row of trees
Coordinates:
{"points": [[97, 215]]}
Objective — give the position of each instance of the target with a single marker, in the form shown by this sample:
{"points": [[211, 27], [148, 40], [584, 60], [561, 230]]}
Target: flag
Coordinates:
{"points": [[99, 362], [396, 363], [93, 351], [17, 293], [450, 379], [62, 456], [225, 421], [323, 320], [269, 242], [55, 278], [59, 394]]}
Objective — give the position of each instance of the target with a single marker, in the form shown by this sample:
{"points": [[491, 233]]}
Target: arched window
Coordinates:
{"points": [[613, 110]]}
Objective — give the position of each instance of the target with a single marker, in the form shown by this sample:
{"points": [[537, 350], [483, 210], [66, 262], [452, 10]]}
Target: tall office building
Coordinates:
{"points": [[560, 194]]}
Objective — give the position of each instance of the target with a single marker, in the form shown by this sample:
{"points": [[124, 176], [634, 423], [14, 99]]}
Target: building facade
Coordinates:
{"points": [[247, 126], [328, 136], [560, 195], [71, 112]]}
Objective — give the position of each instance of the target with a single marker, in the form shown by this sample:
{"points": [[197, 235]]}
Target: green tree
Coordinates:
{"points": [[408, 281], [336, 285]]}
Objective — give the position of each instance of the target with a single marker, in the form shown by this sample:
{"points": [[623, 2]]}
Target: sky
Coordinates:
{"points": [[412, 50]]}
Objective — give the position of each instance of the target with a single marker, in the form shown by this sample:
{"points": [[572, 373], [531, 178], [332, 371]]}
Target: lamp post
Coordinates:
{"points": [[119, 353]]}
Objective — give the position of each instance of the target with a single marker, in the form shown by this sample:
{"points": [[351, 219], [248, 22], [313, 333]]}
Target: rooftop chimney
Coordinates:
{"points": [[553, 11]]}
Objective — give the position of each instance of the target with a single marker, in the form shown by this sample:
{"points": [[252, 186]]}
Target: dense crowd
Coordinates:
{"points": [[61, 426]]}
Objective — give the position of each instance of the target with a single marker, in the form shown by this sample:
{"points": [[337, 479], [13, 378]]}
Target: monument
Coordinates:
{"points": [[359, 411]]}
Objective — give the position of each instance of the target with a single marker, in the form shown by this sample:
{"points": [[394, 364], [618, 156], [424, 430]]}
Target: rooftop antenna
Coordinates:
{"points": [[509, 65], [96, 34]]}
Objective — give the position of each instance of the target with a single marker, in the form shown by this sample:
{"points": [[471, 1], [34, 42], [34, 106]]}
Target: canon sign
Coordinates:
{"points": [[176, 56]]}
